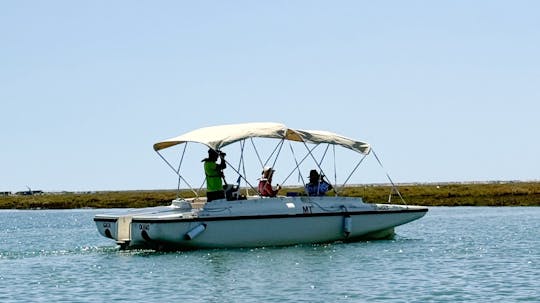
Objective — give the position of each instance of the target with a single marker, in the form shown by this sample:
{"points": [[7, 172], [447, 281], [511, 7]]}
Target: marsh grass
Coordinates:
{"points": [[450, 194], [113, 199], [471, 194]]}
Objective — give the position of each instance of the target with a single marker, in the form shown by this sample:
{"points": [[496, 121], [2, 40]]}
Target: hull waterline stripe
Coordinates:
{"points": [[255, 217]]}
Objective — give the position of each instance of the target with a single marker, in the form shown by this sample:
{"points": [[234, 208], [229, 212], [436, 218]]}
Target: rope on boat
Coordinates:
{"points": [[394, 187]]}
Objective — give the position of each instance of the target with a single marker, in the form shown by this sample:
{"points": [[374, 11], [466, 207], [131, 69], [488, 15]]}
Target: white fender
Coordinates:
{"points": [[194, 232], [347, 225]]}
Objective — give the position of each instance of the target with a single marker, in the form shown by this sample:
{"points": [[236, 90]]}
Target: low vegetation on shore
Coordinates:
{"points": [[456, 194], [447, 194]]}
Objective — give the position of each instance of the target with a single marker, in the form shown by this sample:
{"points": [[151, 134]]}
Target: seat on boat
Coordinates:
{"points": [[231, 192]]}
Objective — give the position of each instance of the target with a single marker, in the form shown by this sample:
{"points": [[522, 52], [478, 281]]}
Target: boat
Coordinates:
{"points": [[244, 218]]}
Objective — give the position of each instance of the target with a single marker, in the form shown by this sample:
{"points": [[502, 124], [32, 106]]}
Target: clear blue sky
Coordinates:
{"points": [[443, 90]]}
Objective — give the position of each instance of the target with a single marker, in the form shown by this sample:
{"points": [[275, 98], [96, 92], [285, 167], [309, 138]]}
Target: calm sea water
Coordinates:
{"points": [[466, 254]]}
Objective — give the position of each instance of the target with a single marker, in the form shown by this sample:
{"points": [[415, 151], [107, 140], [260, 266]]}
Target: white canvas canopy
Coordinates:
{"points": [[321, 136], [220, 136]]}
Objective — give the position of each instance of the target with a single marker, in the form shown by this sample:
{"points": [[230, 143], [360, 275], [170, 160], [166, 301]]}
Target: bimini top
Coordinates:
{"points": [[217, 137]]}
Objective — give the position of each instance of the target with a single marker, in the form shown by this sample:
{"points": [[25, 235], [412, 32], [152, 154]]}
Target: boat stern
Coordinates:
{"points": [[117, 228]]}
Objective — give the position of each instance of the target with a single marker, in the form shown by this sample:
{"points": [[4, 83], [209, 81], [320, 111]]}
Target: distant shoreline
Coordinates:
{"points": [[496, 193]]}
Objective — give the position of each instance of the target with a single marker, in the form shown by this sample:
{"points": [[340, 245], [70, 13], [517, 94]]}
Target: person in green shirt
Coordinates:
{"points": [[214, 175]]}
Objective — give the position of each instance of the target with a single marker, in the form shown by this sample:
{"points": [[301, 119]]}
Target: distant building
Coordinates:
{"points": [[5, 193], [24, 193], [29, 192]]}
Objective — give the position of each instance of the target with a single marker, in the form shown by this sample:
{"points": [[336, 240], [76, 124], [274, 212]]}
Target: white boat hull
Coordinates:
{"points": [[256, 222]]}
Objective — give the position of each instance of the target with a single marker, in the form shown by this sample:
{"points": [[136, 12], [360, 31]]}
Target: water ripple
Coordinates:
{"points": [[451, 255]]}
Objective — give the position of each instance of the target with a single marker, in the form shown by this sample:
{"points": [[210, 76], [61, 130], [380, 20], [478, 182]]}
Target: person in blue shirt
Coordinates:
{"points": [[317, 186]]}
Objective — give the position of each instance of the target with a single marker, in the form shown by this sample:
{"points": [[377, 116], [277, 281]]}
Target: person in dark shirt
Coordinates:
{"points": [[317, 186]]}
